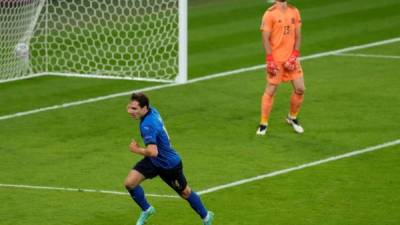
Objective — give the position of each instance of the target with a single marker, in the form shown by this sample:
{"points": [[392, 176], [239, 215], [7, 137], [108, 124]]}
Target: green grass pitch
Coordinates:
{"points": [[351, 103]]}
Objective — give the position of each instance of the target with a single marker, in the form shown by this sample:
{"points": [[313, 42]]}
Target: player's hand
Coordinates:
{"points": [[272, 68], [134, 147], [291, 63]]}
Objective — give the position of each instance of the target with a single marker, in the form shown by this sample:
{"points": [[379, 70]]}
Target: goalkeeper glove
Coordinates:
{"points": [[291, 63], [272, 68]]}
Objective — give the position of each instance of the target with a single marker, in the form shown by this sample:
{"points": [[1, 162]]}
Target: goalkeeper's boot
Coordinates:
{"points": [[262, 129], [144, 215], [295, 124], [209, 218]]}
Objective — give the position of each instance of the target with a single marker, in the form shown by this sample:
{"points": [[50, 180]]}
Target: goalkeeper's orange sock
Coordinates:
{"points": [[295, 103], [266, 105]]}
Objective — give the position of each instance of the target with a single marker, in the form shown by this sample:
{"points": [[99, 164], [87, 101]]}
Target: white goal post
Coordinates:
{"points": [[111, 39]]}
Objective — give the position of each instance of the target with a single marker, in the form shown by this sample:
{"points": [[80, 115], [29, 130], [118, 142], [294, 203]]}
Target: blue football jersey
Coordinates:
{"points": [[153, 132]]}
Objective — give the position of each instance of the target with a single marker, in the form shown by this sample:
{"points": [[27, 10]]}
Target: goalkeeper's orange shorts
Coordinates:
{"points": [[283, 75]]}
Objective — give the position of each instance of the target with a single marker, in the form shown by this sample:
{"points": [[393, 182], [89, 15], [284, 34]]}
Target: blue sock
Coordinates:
{"points": [[137, 195], [197, 205]]}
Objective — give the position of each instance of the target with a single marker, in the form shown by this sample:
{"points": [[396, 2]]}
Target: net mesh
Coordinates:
{"points": [[135, 39], [16, 19]]}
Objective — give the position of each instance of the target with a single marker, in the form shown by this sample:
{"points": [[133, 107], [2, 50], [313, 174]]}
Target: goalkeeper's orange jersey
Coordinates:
{"points": [[282, 26]]}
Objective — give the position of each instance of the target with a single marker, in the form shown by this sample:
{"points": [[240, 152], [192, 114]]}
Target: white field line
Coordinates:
{"points": [[84, 76], [300, 167], [19, 186], [21, 78], [228, 185], [369, 55], [110, 77], [208, 77]]}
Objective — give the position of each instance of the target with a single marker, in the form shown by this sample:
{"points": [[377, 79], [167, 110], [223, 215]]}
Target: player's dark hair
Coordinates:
{"points": [[141, 98]]}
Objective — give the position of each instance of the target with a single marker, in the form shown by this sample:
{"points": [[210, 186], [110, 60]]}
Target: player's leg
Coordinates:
{"points": [[195, 202], [296, 101], [267, 102], [142, 170], [132, 182], [177, 181]]}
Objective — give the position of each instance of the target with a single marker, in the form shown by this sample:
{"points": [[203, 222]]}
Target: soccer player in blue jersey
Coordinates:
{"points": [[159, 159]]}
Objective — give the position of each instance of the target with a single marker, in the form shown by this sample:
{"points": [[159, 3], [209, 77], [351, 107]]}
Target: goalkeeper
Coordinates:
{"points": [[160, 159], [281, 33]]}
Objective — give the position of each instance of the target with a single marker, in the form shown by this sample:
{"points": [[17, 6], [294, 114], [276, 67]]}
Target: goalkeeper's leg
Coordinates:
{"points": [[267, 102], [296, 101]]}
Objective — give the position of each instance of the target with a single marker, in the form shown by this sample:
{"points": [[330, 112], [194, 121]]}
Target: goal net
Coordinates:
{"points": [[122, 39], [16, 26]]}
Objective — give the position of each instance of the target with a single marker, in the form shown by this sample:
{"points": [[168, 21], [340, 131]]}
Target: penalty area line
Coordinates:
{"points": [[300, 167]]}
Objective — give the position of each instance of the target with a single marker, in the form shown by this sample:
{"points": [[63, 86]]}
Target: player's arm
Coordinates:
{"points": [[266, 43], [297, 42], [272, 68], [266, 27], [291, 63], [150, 150]]}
